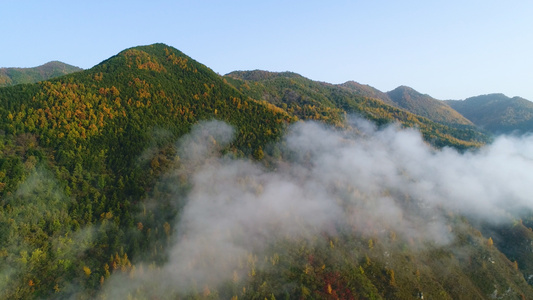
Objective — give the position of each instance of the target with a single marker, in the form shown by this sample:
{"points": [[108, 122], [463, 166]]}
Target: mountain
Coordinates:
{"points": [[89, 146], [309, 99], [426, 106], [13, 76], [497, 113], [150, 176]]}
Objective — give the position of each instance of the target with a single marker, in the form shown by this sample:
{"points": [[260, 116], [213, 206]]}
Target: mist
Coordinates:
{"points": [[38, 200], [366, 180]]}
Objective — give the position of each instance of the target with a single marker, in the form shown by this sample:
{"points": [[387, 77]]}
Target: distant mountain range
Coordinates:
{"points": [[13, 76], [497, 113], [308, 99], [494, 113]]}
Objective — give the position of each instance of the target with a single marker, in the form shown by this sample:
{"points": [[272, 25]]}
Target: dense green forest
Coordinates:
{"points": [[87, 148], [94, 179]]}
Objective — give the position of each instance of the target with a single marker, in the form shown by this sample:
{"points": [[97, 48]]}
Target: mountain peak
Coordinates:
{"points": [[408, 90], [155, 57]]}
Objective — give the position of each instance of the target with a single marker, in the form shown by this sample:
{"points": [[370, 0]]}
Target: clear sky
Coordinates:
{"points": [[448, 49]]}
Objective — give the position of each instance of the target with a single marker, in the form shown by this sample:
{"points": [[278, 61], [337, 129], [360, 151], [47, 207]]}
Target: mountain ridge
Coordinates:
{"points": [[497, 113], [328, 102], [12, 75], [447, 112], [402, 97]]}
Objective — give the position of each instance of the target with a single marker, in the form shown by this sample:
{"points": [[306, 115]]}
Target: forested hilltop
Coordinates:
{"points": [[150, 176], [13, 76]]}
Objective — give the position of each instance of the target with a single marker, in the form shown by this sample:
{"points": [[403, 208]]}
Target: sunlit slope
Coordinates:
{"points": [[426, 106]]}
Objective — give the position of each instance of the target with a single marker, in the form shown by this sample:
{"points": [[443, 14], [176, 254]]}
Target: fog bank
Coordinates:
{"points": [[364, 179]]}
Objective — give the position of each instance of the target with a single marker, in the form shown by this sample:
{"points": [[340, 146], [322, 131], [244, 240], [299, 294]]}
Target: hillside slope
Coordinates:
{"points": [[13, 76], [369, 92]]}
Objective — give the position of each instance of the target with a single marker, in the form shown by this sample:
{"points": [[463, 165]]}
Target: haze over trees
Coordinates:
{"points": [[150, 176]]}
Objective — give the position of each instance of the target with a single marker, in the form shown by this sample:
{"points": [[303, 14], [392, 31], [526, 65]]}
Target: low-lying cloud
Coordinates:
{"points": [[366, 179]]}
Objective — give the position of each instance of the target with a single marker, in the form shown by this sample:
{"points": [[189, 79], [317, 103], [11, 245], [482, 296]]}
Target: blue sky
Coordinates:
{"points": [[447, 49]]}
